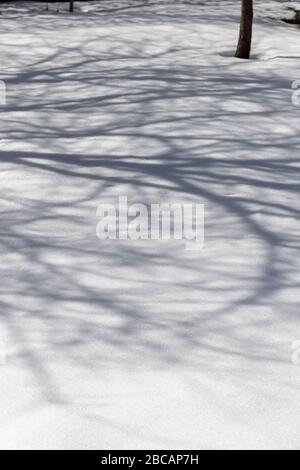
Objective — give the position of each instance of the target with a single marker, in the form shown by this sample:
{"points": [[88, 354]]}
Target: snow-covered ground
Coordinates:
{"points": [[143, 344]]}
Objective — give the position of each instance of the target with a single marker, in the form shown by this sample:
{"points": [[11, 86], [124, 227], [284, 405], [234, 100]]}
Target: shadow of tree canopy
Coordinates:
{"points": [[112, 113]]}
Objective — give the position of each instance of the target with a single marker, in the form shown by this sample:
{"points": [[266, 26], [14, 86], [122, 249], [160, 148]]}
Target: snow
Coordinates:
{"points": [[142, 345]]}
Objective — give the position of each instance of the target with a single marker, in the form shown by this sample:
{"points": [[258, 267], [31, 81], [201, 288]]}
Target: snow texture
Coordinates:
{"points": [[145, 345]]}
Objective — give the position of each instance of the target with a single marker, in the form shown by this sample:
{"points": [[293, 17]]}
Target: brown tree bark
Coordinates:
{"points": [[244, 45]]}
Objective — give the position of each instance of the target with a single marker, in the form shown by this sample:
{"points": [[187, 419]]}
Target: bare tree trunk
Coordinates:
{"points": [[71, 8], [244, 46]]}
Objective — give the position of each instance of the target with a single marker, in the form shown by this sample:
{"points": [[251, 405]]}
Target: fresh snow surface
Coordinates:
{"points": [[130, 345]]}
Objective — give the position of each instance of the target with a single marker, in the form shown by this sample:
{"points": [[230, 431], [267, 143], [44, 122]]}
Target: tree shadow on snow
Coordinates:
{"points": [[159, 129]]}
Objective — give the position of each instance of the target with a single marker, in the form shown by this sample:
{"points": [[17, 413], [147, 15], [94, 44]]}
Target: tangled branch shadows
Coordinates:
{"points": [[115, 112]]}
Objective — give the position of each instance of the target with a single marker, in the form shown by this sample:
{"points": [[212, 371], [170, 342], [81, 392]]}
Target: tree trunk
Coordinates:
{"points": [[244, 46]]}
